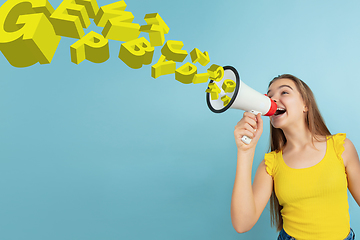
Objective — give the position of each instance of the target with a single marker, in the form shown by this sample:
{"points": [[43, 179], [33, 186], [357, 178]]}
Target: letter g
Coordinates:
{"points": [[26, 34]]}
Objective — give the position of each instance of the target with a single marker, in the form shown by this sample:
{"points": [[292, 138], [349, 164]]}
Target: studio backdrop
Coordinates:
{"points": [[97, 149]]}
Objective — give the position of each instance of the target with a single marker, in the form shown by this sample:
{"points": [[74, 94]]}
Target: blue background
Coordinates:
{"points": [[103, 151]]}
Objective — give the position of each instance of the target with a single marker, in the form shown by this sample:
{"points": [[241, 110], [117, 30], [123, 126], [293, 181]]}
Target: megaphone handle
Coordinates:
{"points": [[246, 139]]}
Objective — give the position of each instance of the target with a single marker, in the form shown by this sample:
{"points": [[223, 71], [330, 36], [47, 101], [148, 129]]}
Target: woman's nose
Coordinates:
{"points": [[273, 98]]}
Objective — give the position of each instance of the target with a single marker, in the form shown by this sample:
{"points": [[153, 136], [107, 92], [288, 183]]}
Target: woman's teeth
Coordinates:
{"points": [[279, 111]]}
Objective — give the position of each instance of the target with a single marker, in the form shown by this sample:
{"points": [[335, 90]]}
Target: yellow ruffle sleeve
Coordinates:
{"points": [[270, 162], [339, 140]]}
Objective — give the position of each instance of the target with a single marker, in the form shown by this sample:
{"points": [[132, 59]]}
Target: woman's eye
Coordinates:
{"points": [[284, 92]]}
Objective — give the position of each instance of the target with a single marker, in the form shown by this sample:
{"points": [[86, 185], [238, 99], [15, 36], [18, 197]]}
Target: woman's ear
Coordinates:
{"points": [[305, 109]]}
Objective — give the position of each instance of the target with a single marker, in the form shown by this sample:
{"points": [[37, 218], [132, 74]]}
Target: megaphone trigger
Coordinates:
{"points": [[246, 140], [255, 112]]}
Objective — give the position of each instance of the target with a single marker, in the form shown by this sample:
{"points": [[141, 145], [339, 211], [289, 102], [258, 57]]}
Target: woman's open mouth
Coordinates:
{"points": [[279, 111]]}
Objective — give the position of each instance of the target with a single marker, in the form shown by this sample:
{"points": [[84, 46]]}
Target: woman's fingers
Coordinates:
{"points": [[251, 126]]}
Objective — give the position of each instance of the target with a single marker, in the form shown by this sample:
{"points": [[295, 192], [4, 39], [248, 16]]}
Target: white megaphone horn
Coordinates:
{"points": [[242, 97]]}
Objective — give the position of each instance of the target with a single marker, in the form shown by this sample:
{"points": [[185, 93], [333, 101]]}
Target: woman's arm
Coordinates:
{"points": [[248, 201], [352, 167]]}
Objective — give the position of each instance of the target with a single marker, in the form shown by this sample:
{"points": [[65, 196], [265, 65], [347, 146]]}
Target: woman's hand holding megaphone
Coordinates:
{"points": [[250, 126]]}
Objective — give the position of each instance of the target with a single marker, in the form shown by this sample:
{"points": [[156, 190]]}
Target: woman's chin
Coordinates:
{"points": [[276, 125], [278, 121]]}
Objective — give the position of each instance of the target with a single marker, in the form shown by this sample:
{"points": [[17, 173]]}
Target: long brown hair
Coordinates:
{"points": [[316, 126]]}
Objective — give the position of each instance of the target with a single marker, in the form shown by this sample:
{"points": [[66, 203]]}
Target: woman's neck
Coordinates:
{"points": [[298, 137]]}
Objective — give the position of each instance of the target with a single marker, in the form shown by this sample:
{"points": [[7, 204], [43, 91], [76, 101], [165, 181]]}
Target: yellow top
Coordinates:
{"points": [[314, 199]]}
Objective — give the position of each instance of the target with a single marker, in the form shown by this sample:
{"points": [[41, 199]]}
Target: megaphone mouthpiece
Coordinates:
{"points": [[272, 109]]}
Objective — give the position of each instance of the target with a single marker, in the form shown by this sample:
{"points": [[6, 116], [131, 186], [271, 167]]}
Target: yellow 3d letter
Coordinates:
{"points": [[93, 47], [26, 34], [185, 74], [162, 67], [197, 56], [117, 23], [216, 72], [228, 86], [201, 78], [72, 16], [156, 27], [172, 51], [121, 28], [109, 11], [214, 91], [136, 52], [226, 99]]}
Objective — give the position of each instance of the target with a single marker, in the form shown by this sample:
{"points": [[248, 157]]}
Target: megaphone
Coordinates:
{"points": [[241, 97]]}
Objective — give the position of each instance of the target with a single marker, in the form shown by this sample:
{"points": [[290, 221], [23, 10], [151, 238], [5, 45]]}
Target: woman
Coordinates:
{"points": [[306, 174]]}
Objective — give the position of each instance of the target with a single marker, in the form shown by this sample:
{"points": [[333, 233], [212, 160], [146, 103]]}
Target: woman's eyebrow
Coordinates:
{"points": [[281, 87]]}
